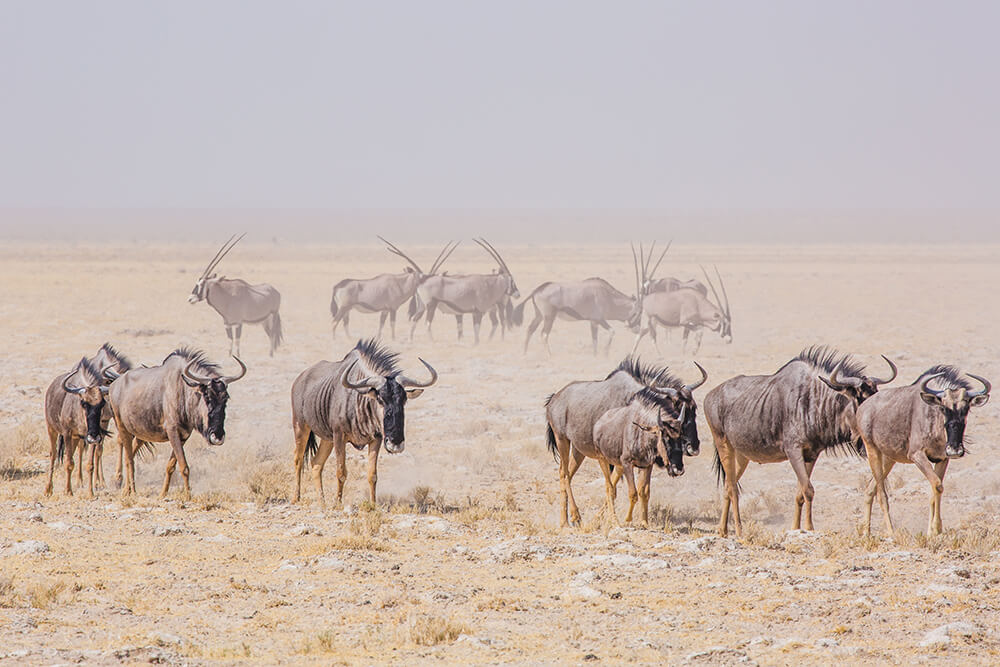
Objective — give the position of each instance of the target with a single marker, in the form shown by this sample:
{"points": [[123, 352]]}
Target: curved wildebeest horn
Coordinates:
{"points": [[407, 382], [193, 379], [664, 391], [493, 251], [74, 389], [396, 251], [704, 377], [443, 256], [110, 374], [373, 382], [836, 383], [660, 260], [229, 379], [895, 372], [223, 251], [986, 386], [924, 389]]}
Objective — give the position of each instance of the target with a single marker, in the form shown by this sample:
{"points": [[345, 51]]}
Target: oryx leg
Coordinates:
{"points": [[337, 319], [532, 327], [494, 321], [638, 338], [316, 468], [477, 322], [458, 323], [177, 460], [392, 323], [611, 336], [239, 334], [803, 471], [934, 523], [609, 488], [229, 335], [698, 335], [373, 450], [647, 473], [937, 484], [347, 323], [382, 317], [652, 334], [593, 336], [431, 308], [53, 455]]}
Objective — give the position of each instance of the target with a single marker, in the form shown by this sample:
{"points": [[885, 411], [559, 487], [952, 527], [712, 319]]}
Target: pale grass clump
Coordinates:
{"points": [[662, 516], [19, 450], [269, 482], [755, 534], [363, 531], [8, 593], [434, 630], [43, 596]]}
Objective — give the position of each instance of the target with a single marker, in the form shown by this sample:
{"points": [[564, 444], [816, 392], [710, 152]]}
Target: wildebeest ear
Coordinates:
{"points": [[980, 400], [930, 399], [413, 393], [647, 429], [372, 392]]}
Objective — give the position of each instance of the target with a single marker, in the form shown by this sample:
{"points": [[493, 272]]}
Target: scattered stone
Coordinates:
{"points": [[218, 539], [760, 640], [942, 636], [35, 516], [719, 654], [164, 531], [330, 563], [62, 526], [626, 560], [469, 639], [165, 639], [286, 565], [579, 587], [28, 547], [300, 529], [516, 549], [826, 642]]}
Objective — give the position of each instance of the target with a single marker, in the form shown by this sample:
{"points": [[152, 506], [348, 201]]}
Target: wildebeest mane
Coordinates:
{"points": [[121, 361], [89, 375], [380, 359], [647, 374], [202, 365], [951, 376], [826, 359], [650, 399]]}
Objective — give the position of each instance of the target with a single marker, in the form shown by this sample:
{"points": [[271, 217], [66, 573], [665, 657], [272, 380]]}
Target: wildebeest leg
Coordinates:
{"points": [[458, 322], [392, 322], [644, 495], [734, 464], [934, 524], [71, 444], [125, 441], [565, 479], [373, 450], [53, 455], [477, 322], [341, 453], [171, 466], [301, 433], [118, 466], [633, 495], [79, 469], [93, 449], [382, 317], [803, 470], [179, 460], [531, 327], [880, 466], [937, 485], [98, 461], [319, 460], [609, 488]]}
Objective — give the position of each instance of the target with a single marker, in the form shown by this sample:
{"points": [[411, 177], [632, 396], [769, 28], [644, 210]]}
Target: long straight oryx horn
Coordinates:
{"points": [[635, 265], [407, 382], [229, 379], [443, 256], [223, 251], [662, 255], [704, 377], [396, 251], [986, 386], [493, 251], [722, 285], [895, 372], [373, 382]]}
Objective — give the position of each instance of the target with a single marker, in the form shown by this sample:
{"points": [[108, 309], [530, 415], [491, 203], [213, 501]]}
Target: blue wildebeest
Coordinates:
{"points": [[573, 411], [167, 403], [74, 416], [359, 399], [918, 424], [793, 415]]}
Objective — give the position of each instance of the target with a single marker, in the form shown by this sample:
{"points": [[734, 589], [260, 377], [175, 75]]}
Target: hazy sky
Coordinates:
{"points": [[505, 105]]}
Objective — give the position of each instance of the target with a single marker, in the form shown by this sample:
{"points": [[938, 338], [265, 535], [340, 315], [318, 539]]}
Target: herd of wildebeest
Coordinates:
{"points": [[640, 416]]}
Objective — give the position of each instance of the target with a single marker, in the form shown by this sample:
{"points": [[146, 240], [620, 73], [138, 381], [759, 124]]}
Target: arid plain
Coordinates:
{"points": [[462, 559]]}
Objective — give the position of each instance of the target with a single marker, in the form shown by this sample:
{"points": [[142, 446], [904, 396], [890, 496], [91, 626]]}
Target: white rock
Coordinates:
{"points": [[826, 642], [35, 516], [330, 563], [218, 539], [165, 639], [941, 636], [627, 560], [163, 531], [300, 529], [584, 592], [29, 547], [286, 565]]}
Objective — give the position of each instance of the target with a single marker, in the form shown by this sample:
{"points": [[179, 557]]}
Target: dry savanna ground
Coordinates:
{"points": [[462, 559]]}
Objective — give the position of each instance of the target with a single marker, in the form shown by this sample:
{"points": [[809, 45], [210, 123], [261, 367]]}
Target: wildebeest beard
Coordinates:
{"points": [[954, 426], [215, 396]]}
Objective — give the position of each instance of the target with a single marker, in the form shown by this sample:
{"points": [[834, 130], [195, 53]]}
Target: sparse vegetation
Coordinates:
{"points": [[21, 451], [269, 482], [430, 630], [44, 595]]}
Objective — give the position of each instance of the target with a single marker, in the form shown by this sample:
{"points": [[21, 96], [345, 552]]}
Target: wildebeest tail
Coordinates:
{"points": [[60, 449], [311, 447], [720, 472], [144, 450], [550, 440], [272, 326]]}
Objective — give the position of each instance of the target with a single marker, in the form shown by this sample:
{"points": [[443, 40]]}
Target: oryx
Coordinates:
{"points": [[359, 399], [167, 403], [690, 309], [477, 294], [592, 300], [384, 293], [805, 408], [572, 412], [237, 301], [918, 424]]}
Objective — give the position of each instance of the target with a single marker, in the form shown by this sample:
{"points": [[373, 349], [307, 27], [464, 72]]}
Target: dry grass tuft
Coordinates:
{"points": [[434, 630], [363, 531], [270, 482], [755, 534], [8, 594], [19, 449], [43, 596]]}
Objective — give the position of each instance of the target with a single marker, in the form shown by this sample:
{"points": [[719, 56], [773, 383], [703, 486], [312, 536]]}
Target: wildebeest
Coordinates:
{"points": [[384, 293], [592, 300], [237, 301], [918, 424], [111, 364], [359, 399], [572, 412], [476, 294], [690, 309], [74, 416], [167, 403], [638, 435], [793, 415]]}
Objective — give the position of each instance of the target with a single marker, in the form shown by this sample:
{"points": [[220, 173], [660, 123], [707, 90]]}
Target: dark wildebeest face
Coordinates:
{"points": [[91, 397], [955, 402], [858, 389], [391, 392], [213, 393], [669, 441], [686, 409]]}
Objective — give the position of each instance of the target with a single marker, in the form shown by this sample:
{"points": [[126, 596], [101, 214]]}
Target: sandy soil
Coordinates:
{"points": [[463, 559]]}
